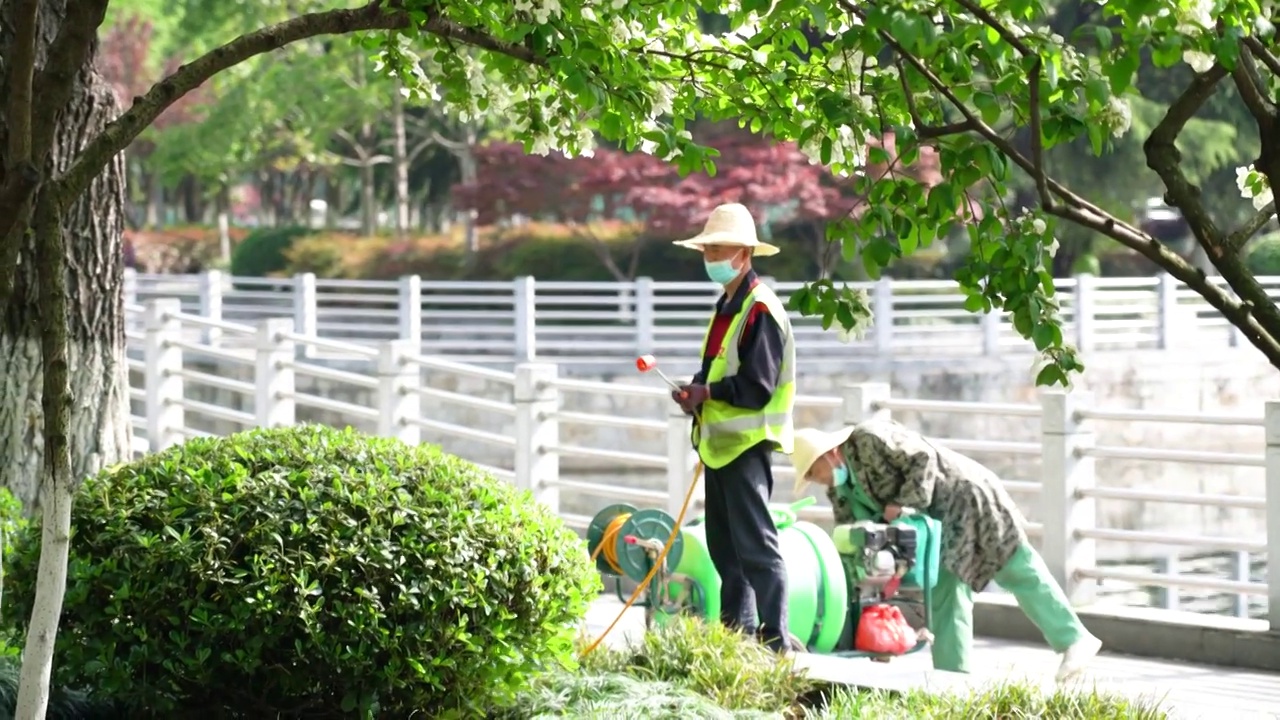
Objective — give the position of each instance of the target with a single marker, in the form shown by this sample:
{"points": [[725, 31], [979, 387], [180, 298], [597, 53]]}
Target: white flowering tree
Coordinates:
{"points": [[961, 75]]}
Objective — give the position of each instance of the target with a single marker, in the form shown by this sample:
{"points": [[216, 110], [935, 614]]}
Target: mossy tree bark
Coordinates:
{"points": [[93, 226]]}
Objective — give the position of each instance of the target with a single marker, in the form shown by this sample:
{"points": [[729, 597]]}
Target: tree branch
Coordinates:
{"points": [[1261, 52], [22, 70], [122, 131], [1037, 136], [1251, 87], [990, 21], [366, 161], [1164, 158], [1255, 314], [1238, 239], [923, 131], [452, 146], [56, 80], [1125, 233]]}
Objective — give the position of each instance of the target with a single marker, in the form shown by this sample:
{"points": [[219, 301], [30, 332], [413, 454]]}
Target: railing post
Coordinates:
{"points": [[1273, 513], [990, 322], [165, 417], [410, 307], [1083, 311], [1065, 471], [398, 402], [1166, 310], [305, 316], [273, 403], [526, 325], [1243, 571], [861, 402], [882, 309], [1168, 598], [211, 302], [644, 316], [681, 459], [130, 286], [537, 464]]}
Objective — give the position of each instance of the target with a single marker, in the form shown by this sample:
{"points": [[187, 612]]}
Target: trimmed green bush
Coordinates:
{"points": [[308, 572], [262, 252], [1264, 255]]}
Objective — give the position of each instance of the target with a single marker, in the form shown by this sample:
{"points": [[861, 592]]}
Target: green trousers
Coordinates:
{"points": [[1026, 578]]}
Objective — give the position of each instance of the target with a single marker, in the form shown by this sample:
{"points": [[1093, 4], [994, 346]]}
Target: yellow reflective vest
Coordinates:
{"points": [[725, 431]]}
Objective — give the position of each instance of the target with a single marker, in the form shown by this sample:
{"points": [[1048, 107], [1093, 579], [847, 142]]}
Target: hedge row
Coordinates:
{"points": [[548, 251]]}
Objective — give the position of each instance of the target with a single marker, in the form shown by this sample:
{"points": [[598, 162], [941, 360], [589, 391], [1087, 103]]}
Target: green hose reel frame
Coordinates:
{"points": [[635, 561]]}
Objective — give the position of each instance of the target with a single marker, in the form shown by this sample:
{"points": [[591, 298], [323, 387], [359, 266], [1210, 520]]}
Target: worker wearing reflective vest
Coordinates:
{"points": [[742, 399]]}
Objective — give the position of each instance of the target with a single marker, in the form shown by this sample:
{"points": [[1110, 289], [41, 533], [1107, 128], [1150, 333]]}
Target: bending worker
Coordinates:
{"points": [[742, 399], [877, 469]]}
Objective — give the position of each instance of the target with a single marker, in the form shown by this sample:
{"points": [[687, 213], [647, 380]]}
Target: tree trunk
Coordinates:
{"points": [[468, 171], [368, 201], [400, 162], [332, 199], [155, 201], [99, 424], [224, 224]]}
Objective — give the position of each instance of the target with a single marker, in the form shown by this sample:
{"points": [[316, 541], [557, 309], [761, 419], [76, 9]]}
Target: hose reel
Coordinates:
{"points": [[623, 540]]}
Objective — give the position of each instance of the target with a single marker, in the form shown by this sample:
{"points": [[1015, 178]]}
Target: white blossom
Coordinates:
{"points": [[848, 149], [1038, 226], [1194, 16], [1254, 186], [1199, 61], [1052, 248], [1116, 116]]}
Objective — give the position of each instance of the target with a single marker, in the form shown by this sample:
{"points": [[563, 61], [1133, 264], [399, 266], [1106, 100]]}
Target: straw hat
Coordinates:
{"points": [[730, 224], [811, 444]]}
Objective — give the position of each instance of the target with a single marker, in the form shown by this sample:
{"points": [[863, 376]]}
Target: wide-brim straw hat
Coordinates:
{"points": [[811, 444], [731, 225]]}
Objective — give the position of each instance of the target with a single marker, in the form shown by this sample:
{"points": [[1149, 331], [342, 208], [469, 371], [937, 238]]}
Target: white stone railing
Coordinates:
{"points": [[256, 371], [524, 320]]}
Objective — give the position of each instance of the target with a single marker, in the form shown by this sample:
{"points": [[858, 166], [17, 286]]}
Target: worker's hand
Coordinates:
{"points": [[693, 396], [892, 512], [678, 396]]}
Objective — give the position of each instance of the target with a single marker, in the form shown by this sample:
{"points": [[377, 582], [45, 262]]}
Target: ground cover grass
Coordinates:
{"points": [[693, 671]]}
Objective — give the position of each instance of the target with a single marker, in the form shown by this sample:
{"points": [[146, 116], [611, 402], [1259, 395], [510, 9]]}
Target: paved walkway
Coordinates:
{"points": [[1185, 691]]}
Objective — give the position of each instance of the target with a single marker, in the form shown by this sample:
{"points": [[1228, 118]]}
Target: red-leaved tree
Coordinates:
{"points": [[123, 60], [584, 193], [774, 180]]}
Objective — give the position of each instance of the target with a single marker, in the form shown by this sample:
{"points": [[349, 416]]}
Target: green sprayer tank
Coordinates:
{"points": [[818, 595]]}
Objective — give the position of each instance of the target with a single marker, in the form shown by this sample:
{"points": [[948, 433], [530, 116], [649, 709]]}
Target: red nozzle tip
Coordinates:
{"points": [[630, 540], [645, 363]]}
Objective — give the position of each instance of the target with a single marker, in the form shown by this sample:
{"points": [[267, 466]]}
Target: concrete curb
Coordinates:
{"points": [[1163, 634]]}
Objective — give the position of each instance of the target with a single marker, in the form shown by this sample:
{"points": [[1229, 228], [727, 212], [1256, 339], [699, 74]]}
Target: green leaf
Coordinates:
{"points": [[1120, 72], [1051, 375]]}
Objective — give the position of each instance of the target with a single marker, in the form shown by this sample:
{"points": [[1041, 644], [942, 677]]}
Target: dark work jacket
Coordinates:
{"points": [[760, 353]]}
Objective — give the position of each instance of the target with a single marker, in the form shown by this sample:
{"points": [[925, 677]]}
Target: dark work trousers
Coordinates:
{"points": [[743, 542]]}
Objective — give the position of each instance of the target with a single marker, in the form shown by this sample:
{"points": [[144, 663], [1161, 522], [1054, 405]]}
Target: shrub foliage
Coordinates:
{"points": [[307, 572], [262, 252]]}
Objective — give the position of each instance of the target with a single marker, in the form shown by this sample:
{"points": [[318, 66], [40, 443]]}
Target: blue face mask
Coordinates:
{"points": [[840, 476], [721, 272]]}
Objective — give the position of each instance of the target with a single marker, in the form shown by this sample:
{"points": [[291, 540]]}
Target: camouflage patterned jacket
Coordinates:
{"points": [[981, 526]]}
